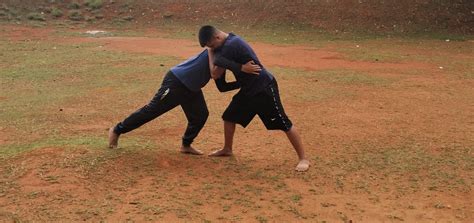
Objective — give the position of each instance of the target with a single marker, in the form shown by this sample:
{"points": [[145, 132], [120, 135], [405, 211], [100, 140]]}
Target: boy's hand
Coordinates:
{"points": [[251, 68]]}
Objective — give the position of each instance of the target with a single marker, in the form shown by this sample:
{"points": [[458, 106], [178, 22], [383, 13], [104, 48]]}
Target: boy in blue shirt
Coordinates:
{"points": [[181, 86], [258, 94]]}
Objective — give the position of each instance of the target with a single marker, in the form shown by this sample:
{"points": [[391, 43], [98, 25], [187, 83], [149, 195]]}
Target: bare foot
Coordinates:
{"points": [[113, 139], [302, 166], [222, 152], [190, 150]]}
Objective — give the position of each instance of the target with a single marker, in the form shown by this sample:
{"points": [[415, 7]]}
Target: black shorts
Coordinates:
{"points": [[266, 105]]}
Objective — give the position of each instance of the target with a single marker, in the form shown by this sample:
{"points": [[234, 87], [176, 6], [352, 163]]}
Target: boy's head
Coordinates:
{"points": [[211, 37]]}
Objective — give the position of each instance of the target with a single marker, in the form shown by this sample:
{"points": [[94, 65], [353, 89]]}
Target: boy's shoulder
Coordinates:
{"points": [[235, 42], [235, 38]]}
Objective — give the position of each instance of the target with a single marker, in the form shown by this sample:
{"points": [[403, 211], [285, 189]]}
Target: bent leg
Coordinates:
{"points": [[196, 113], [240, 111]]}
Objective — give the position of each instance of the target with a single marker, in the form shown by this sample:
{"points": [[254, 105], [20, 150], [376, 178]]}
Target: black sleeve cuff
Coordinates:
{"points": [[223, 86]]}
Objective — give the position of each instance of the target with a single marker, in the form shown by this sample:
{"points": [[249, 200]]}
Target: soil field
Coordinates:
{"points": [[387, 124]]}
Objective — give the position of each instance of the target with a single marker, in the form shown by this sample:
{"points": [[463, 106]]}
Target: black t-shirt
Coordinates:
{"points": [[234, 52]]}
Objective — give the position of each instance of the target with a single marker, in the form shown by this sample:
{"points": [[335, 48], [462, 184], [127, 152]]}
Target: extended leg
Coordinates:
{"points": [[163, 101]]}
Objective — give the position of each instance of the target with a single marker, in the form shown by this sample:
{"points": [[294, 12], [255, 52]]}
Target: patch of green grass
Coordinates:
{"points": [[335, 76], [90, 142], [93, 4], [296, 198], [285, 33], [109, 32], [119, 21], [261, 218], [468, 74], [56, 12], [303, 85], [45, 79], [75, 15], [74, 5], [322, 85], [429, 51], [437, 36], [226, 208], [153, 209], [412, 166], [274, 33], [14, 149], [36, 16]]}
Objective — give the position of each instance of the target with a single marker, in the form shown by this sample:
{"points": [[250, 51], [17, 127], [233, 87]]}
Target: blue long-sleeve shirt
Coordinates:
{"points": [[234, 52], [194, 73]]}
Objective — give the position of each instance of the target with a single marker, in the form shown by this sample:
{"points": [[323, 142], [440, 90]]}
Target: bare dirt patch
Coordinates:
{"points": [[304, 57]]}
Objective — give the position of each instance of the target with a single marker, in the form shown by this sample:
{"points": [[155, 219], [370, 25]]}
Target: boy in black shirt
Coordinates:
{"points": [[258, 94]]}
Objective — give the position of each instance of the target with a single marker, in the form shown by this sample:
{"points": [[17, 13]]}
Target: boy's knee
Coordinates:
{"points": [[204, 119], [205, 115]]}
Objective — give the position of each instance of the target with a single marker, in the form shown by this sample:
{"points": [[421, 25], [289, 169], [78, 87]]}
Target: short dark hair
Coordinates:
{"points": [[205, 34]]}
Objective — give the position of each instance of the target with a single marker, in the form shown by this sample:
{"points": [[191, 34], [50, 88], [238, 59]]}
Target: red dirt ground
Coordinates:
{"points": [[128, 185]]}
